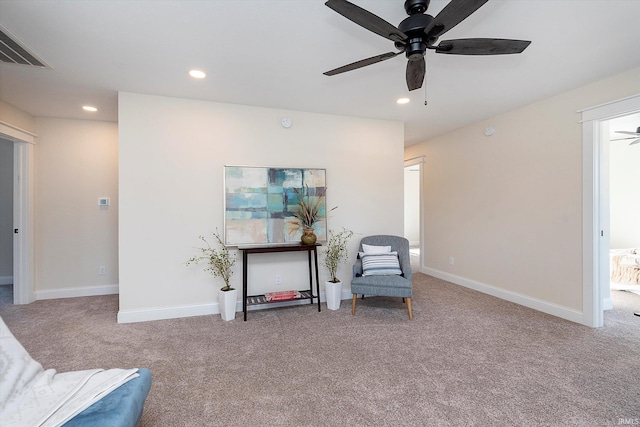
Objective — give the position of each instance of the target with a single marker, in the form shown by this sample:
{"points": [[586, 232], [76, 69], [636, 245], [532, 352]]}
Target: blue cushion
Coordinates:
{"points": [[120, 408], [381, 264], [390, 286]]}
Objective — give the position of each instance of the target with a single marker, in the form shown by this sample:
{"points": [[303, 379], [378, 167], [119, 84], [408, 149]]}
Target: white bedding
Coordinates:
{"points": [[625, 266], [32, 396], [622, 287]]}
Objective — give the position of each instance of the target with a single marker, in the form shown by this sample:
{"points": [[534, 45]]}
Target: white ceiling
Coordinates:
{"points": [[272, 54]]}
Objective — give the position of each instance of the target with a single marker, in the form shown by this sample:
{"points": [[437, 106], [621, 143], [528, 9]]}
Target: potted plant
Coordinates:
{"points": [[220, 263], [308, 212], [335, 252]]}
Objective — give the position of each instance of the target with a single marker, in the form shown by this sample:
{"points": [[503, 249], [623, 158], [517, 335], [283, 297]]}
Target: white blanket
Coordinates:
{"points": [[625, 266], [32, 396]]}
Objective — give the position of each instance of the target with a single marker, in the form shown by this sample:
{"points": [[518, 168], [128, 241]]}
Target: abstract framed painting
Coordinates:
{"points": [[259, 203]]}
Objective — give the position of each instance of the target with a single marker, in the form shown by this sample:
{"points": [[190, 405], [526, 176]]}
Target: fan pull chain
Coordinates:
{"points": [[425, 90]]}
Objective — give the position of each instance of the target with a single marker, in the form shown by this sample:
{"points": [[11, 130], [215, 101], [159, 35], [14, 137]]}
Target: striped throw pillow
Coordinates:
{"points": [[380, 265]]}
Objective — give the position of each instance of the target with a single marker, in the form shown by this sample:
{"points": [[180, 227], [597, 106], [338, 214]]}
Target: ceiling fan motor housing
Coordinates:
{"points": [[413, 27], [416, 6]]}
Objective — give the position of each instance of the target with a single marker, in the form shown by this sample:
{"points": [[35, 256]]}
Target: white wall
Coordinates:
{"points": [[172, 152], [6, 211], [76, 163], [412, 204], [624, 181], [508, 207]]}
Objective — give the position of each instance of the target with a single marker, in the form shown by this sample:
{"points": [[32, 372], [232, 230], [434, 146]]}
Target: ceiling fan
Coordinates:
{"points": [[635, 136], [419, 32]]}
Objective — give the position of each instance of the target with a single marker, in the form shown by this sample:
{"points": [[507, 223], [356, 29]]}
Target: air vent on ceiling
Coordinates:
{"points": [[13, 51]]}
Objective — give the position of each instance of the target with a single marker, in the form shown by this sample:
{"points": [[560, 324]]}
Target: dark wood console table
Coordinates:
{"points": [[259, 299]]}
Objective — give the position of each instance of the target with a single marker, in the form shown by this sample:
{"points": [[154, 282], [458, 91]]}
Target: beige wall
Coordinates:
{"points": [[172, 152], [412, 205], [76, 162], [508, 207], [17, 118]]}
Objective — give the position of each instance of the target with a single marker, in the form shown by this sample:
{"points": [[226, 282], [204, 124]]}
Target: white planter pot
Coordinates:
{"points": [[227, 303], [334, 294]]}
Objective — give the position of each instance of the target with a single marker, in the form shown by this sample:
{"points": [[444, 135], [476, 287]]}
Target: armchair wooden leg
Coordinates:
{"points": [[409, 308], [353, 304]]}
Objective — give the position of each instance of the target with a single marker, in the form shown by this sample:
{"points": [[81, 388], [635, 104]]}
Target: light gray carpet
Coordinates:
{"points": [[466, 359]]}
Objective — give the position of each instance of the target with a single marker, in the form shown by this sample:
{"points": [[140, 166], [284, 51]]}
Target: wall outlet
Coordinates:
{"points": [[451, 260], [102, 270], [278, 279]]}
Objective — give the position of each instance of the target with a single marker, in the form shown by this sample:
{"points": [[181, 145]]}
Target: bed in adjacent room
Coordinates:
{"points": [[625, 269]]}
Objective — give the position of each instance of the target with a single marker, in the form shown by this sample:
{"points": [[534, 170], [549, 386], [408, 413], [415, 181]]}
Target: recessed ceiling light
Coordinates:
{"points": [[197, 74], [89, 108], [403, 100]]}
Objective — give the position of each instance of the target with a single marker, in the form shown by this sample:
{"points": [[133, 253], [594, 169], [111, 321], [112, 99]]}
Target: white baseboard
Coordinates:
{"points": [[6, 280], [88, 291], [527, 301], [607, 304], [160, 313]]}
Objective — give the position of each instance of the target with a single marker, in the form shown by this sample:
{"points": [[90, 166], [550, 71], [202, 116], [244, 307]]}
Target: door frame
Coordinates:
{"points": [[23, 212], [595, 204]]}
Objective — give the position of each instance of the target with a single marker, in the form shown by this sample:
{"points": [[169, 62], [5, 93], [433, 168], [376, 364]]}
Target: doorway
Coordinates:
{"points": [[6, 221], [624, 204], [595, 203], [413, 175], [23, 212]]}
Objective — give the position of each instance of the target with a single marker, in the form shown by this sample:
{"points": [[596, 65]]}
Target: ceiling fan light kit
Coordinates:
{"points": [[419, 32]]}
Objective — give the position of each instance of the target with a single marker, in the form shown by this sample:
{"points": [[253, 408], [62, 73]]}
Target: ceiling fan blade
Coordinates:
{"points": [[635, 142], [482, 46], [628, 133], [626, 138], [367, 20], [362, 63], [415, 73], [452, 14]]}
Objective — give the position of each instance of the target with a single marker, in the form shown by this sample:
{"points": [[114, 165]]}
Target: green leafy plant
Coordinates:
{"points": [[336, 251], [220, 261]]}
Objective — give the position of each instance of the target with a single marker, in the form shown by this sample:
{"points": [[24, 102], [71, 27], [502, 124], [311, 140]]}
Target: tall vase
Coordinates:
{"points": [[227, 303], [308, 237], [333, 292]]}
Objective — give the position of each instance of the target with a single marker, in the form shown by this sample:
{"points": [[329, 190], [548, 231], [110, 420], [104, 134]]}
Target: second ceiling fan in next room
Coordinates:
{"points": [[420, 32], [634, 135]]}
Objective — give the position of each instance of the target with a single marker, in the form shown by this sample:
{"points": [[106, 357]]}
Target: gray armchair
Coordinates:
{"points": [[384, 285]]}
